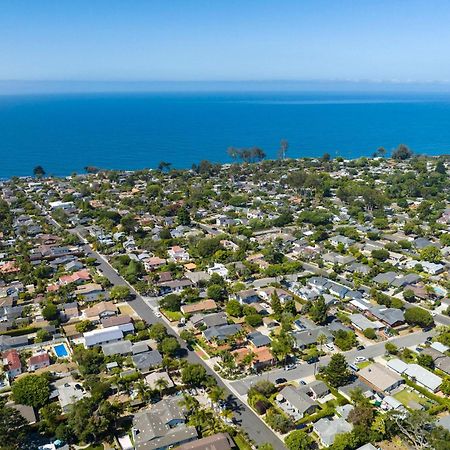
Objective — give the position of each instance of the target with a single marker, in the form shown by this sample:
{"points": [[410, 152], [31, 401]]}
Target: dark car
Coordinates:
{"points": [[360, 347], [280, 381]]}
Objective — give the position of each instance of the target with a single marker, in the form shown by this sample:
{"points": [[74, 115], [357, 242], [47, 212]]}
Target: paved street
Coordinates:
{"points": [[258, 431], [305, 370]]}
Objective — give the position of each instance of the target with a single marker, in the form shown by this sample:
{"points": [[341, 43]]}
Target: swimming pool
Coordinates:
{"points": [[61, 351]]}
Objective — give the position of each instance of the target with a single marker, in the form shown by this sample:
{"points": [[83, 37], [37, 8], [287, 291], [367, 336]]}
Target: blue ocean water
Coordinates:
{"points": [[66, 132]]}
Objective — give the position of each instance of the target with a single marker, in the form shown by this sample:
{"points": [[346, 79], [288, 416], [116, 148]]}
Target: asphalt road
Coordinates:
{"points": [[305, 370], [258, 431]]}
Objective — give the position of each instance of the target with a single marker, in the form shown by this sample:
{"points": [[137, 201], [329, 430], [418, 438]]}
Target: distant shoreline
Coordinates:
{"points": [[129, 131]]}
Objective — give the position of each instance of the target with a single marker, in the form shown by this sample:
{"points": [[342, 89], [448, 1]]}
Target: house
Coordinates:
{"points": [[306, 338], [154, 263], [102, 336], [69, 392], [423, 377], [257, 339], [152, 379], [296, 403], [69, 311], [147, 360], [177, 254], [117, 348], [317, 389], [327, 429], [101, 311], [218, 269], [90, 292], [361, 322], [174, 286], [267, 293], [76, 277], [263, 358], [124, 322], [162, 426], [392, 317], [385, 278], [247, 297], [380, 378], [345, 241], [221, 333], [38, 361], [209, 320], [12, 364], [197, 277], [202, 306], [220, 441]]}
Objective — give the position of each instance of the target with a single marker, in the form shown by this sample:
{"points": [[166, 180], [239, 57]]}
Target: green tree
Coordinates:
{"points": [[319, 311], [337, 372], [418, 316], [298, 440], [345, 340], [283, 346], [234, 308], [84, 326], [431, 254], [216, 292], [38, 172], [254, 320], [391, 348], [119, 293], [171, 302], [402, 152], [50, 311], [275, 303], [158, 332], [31, 390], [425, 361], [13, 427], [169, 346], [193, 375], [369, 333], [42, 335], [183, 216]]}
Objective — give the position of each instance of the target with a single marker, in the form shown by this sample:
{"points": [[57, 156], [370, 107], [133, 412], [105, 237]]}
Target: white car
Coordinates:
{"points": [[359, 359], [158, 314]]}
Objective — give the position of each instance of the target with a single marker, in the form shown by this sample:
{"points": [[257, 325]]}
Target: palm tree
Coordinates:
{"points": [[232, 153], [216, 393], [321, 340], [189, 402], [142, 390], [161, 384]]}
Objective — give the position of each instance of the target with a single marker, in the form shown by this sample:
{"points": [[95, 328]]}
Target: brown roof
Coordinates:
{"points": [[116, 320], [100, 308], [205, 305], [220, 441]]}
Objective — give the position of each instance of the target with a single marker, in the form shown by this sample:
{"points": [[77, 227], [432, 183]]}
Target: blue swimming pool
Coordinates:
{"points": [[61, 351]]}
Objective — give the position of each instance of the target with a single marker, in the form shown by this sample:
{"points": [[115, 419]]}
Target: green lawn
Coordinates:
{"points": [[405, 397], [173, 316], [95, 447], [363, 364]]}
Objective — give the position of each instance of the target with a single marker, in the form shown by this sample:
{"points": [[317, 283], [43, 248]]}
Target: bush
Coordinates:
{"points": [[369, 333]]}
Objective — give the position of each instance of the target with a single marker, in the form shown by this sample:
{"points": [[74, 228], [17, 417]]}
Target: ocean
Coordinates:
{"points": [[66, 132]]}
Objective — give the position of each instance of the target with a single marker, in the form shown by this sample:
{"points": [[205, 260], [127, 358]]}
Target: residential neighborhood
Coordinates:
{"points": [[282, 304]]}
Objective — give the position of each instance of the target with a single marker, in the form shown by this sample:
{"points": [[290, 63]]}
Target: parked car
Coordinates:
{"points": [[360, 347], [359, 359], [280, 381], [290, 367]]}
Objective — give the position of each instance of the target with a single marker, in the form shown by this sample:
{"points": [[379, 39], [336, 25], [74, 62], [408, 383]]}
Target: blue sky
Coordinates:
{"points": [[402, 40]]}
